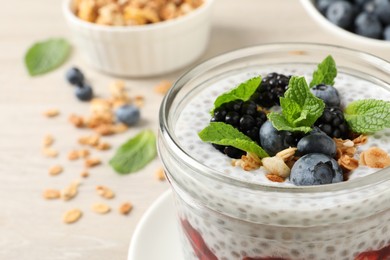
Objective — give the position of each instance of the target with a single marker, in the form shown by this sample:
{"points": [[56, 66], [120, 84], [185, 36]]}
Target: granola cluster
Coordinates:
{"points": [[278, 167], [132, 12]]}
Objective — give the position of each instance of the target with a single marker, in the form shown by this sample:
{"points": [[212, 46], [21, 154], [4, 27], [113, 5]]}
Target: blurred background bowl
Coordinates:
{"points": [[142, 50], [354, 39]]}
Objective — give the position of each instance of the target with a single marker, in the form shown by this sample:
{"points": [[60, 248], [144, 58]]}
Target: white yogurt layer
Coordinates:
{"points": [[196, 116]]}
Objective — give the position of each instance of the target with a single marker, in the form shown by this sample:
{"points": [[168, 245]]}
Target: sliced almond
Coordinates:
{"points": [[84, 174], [72, 216], [51, 194], [84, 153], [101, 208], [105, 192], [287, 154], [48, 140], [160, 175], [125, 208], [92, 162], [50, 152], [51, 112], [55, 170], [73, 155], [71, 191], [276, 165], [348, 163], [103, 146]]}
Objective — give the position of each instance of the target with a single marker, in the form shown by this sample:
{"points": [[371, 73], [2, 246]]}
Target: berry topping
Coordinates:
{"points": [[84, 93], [317, 143], [327, 93], [272, 87], [274, 141], [128, 114], [74, 76], [315, 169], [242, 115], [332, 123], [368, 25]]}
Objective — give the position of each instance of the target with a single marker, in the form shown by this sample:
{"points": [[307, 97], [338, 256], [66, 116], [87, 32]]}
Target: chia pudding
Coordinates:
{"points": [[227, 213]]}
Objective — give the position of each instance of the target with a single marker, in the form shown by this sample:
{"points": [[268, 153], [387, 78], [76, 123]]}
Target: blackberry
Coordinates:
{"points": [[332, 123], [243, 116], [271, 88]]}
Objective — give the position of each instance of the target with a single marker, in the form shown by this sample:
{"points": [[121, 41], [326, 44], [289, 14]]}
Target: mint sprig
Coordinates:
{"points": [[47, 55], [368, 115], [326, 72], [243, 91], [136, 153], [225, 134], [300, 108]]}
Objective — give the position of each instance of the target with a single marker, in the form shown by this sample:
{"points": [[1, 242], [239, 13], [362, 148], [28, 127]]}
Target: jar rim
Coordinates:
{"points": [[167, 135]]}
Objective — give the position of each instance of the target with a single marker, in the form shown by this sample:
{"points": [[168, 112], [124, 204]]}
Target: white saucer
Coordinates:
{"points": [[156, 235]]}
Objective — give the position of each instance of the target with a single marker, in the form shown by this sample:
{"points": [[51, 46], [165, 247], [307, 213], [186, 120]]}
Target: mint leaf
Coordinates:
{"points": [[368, 115], [244, 91], [326, 72], [225, 134], [135, 153], [300, 108], [47, 55]]}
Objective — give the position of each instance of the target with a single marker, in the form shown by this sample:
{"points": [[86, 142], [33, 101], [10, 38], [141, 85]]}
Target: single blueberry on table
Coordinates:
{"points": [[74, 76], [317, 143], [368, 25], [315, 169], [128, 114], [84, 93], [327, 93], [341, 13], [273, 141]]}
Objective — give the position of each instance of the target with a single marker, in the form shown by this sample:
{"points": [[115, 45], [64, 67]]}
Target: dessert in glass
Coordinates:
{"points": [[228, 209]]}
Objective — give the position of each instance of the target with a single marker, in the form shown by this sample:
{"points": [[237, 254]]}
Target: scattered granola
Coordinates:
{"points": [[55, 170], [50, 152], [91, 140], [375, 157], [125, 208], [274, 178], [51, 112], [101, 208], [248, 162], [71, 191], [139, 101], [48, 140], [163, 87], [72, 216], [83, 153], [132, 12], [84, 174], [92, 162], [105, 192], [73, 155], [160, 175], [51, 194], [76, 120], [103, 146], [348, 163]]}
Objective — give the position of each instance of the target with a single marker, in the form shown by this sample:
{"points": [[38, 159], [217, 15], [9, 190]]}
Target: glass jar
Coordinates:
{"points": [[225, 218]]}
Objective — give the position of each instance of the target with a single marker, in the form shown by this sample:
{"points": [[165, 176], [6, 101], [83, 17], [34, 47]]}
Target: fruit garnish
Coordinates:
{"points": [[368, 115], [326, 72], [225, 134], [47, 55], [300, 108], [128, 114], [272, 87], [135, 153], [243, 91]]}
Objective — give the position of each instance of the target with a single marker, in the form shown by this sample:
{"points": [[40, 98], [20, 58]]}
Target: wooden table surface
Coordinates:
{"points": [[30, 226]]}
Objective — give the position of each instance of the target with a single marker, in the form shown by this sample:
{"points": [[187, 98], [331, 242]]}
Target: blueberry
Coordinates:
{"points": [[341, 13], [315, 169], [327, 93], [386, 33], [382, 10], [84, 93], [128, 114], [322, 5], [75, 77], [273, 141], [317, 143], [368, 25]]}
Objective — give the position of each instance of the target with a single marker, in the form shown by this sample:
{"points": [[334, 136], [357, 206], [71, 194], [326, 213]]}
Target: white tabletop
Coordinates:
{"points": [[30, 226]]}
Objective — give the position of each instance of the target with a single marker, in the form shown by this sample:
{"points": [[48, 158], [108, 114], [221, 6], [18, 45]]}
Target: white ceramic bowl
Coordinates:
{"points": [[144, 50], [346, 35]]}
